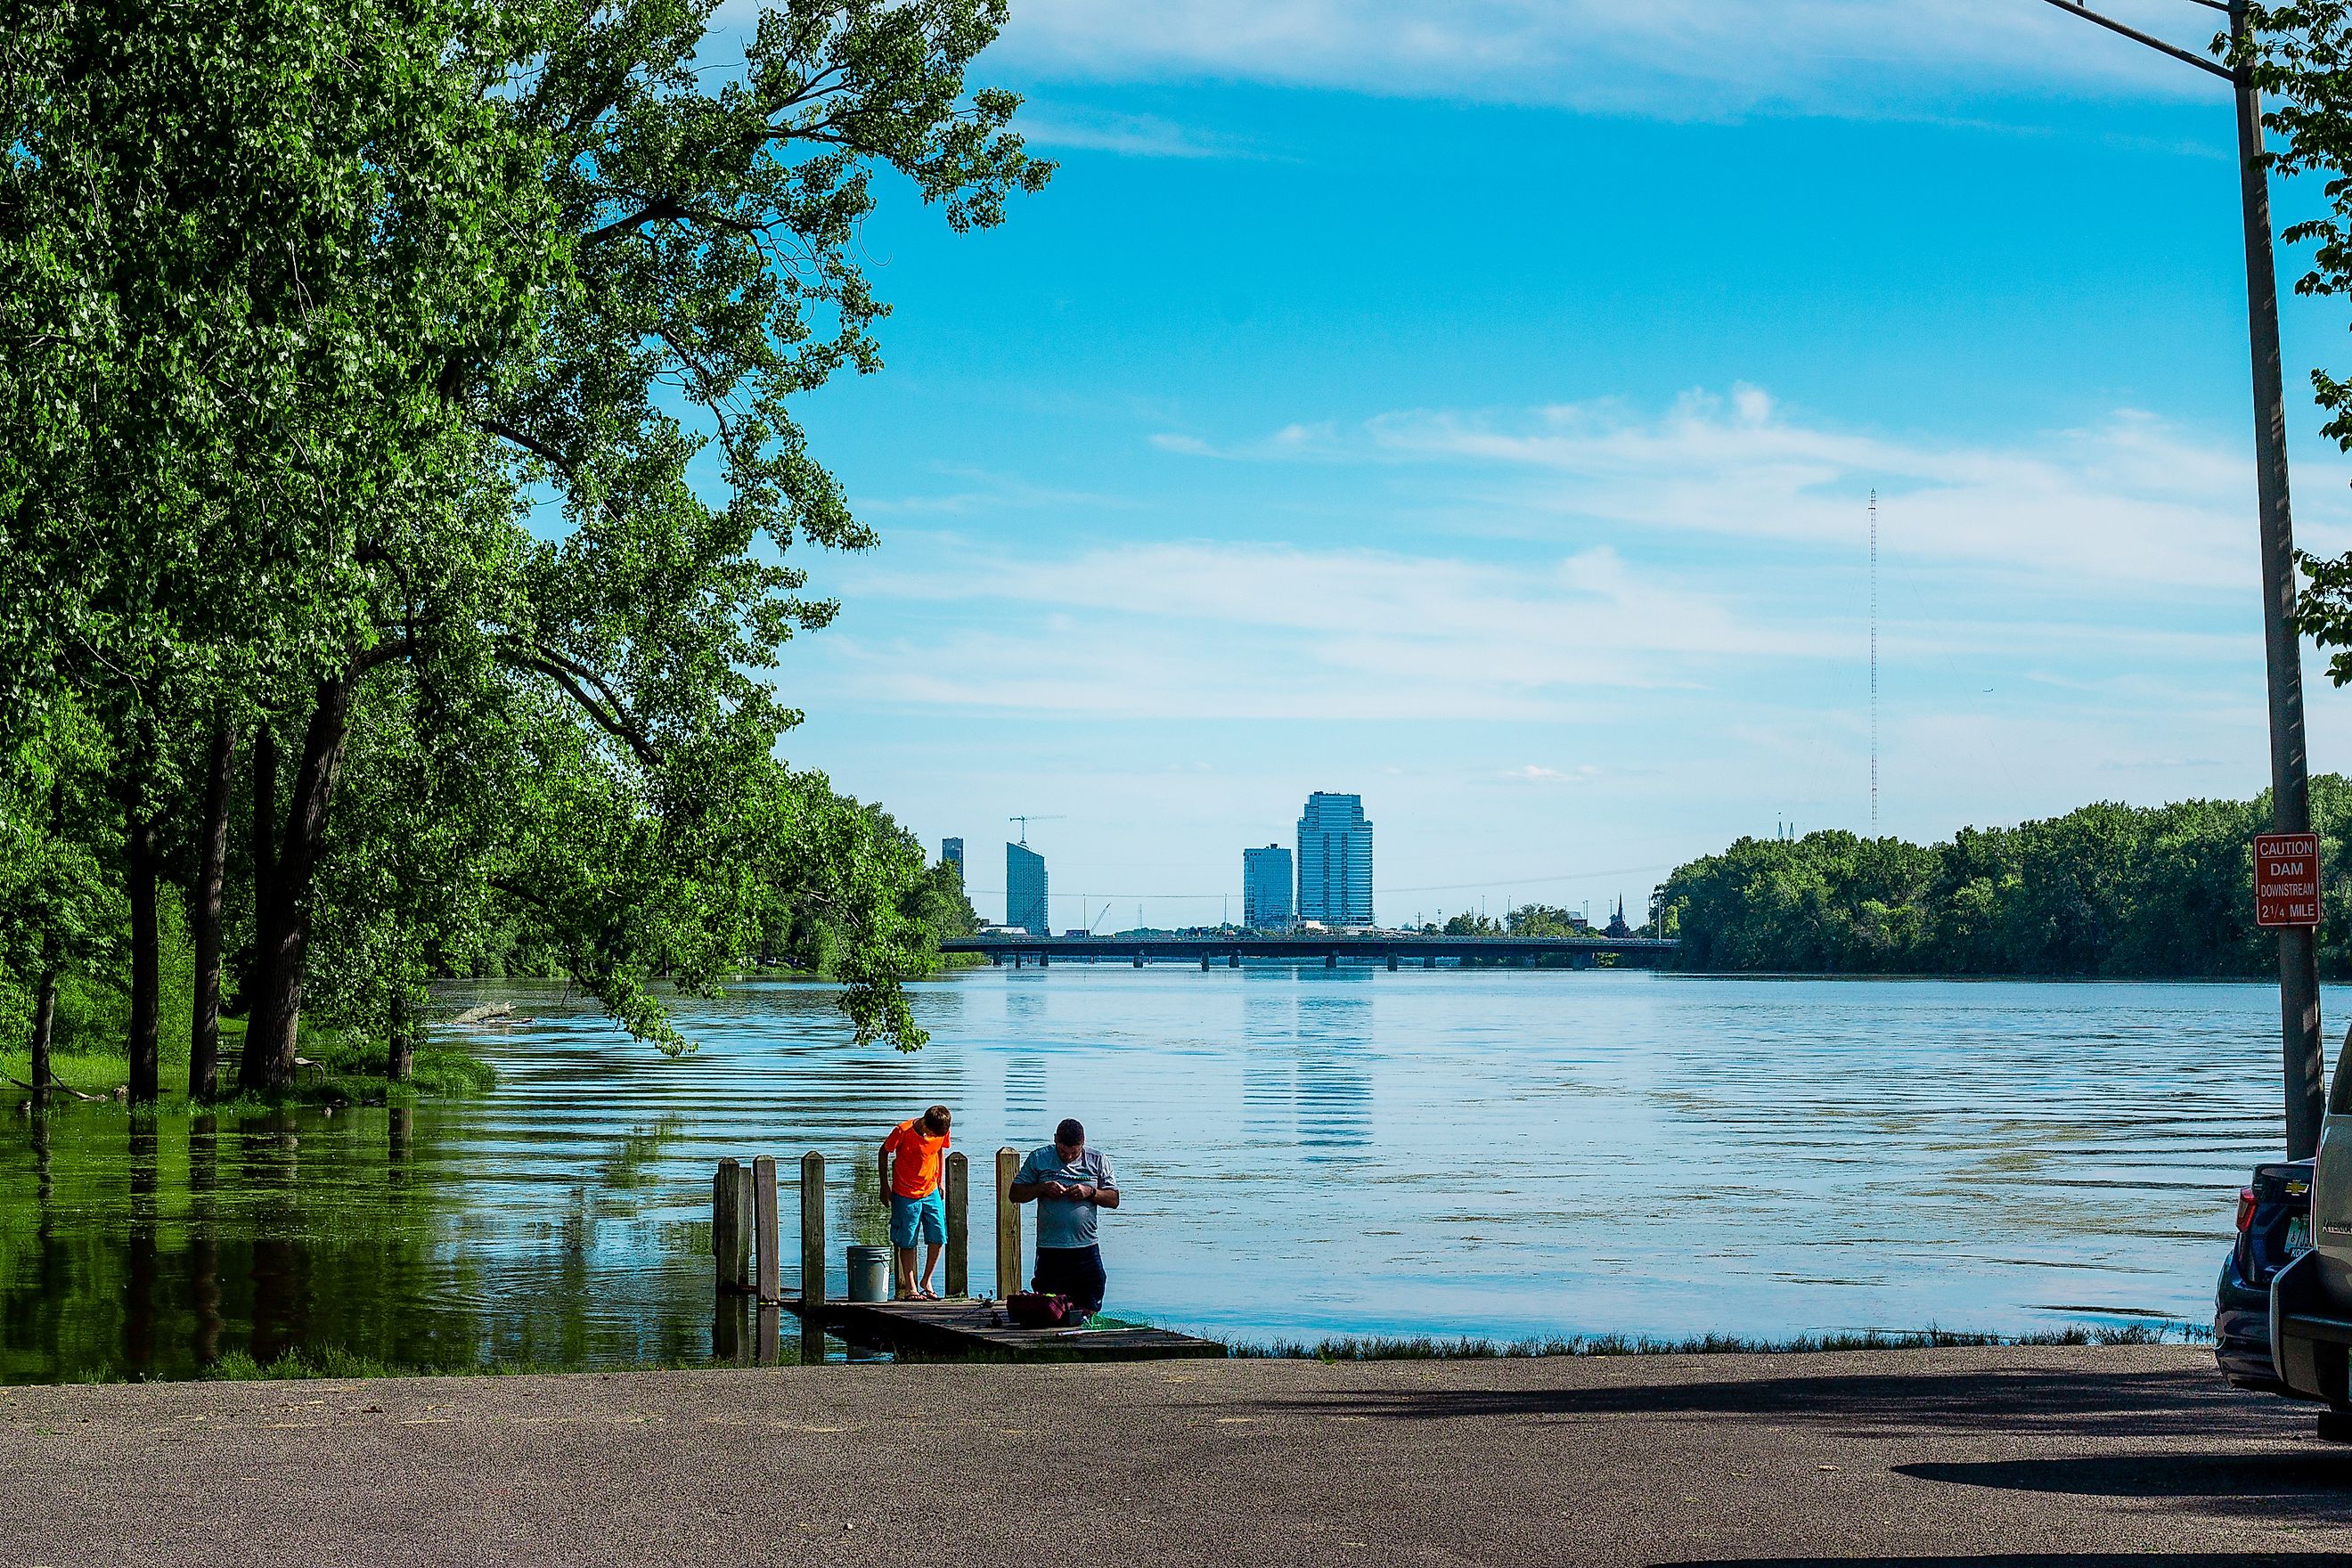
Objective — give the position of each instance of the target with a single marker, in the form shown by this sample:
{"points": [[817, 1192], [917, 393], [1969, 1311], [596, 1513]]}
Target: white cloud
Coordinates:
{"points": [[1683, 59], [2130, 503], [1133, 135], [1204, 628], [1533, 774]]}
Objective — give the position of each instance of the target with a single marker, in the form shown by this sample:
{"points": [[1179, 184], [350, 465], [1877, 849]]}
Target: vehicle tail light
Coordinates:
{"points": [[2245, 1209]]}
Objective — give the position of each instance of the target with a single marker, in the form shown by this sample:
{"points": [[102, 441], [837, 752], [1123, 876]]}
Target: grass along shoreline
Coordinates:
{"points": [[1423, 1347], [346, 1069], [333, 1363]]}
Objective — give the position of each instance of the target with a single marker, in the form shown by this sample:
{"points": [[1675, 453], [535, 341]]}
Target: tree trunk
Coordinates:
{"points": [[400, 1047], [204, 1032], [145, 999], [252, 1069], [45, 1019], [285, 933], [45, 991]]}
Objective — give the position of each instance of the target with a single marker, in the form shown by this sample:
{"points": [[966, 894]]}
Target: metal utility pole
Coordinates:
{"points": [[2305, 1077]]}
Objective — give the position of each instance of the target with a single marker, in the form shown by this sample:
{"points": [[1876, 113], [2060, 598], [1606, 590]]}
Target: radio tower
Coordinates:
{"points": [[1873, 664]]}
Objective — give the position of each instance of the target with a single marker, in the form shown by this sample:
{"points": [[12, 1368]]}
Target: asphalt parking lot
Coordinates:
{"points": [[2051, 1457]]}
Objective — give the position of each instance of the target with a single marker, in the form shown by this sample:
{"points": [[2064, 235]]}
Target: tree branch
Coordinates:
{"points": [[532, 444], [659, 208], [610, 715], [391, 651]]}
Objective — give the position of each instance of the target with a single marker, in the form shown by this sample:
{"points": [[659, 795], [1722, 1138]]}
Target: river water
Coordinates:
{"points": [[1501, 1152]]}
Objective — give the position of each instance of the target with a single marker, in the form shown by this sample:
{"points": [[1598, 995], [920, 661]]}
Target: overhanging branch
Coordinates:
{"points": [[609, 715]]}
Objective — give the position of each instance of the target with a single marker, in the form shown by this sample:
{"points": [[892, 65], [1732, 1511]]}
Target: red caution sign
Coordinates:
{"points": [[2287, 879]]}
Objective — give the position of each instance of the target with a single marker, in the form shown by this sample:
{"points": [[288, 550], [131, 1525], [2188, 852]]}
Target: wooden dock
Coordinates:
{"points": [[954, 1327], [745, 1231]]}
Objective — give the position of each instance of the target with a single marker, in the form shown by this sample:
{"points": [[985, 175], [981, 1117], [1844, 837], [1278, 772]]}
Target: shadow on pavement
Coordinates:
{"points": [[2140, 1404], [2272, 1487], [2042, 1560]]}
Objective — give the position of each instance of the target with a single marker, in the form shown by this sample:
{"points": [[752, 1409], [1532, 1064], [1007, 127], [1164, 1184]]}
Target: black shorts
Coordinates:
{"points": [[1073, 1271]]}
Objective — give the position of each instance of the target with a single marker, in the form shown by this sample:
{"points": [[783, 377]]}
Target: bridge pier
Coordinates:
{"points": [[996, 961], [1204, 964], [1044, 958], [1430, 962], [1391, 961], [1139, 961], [1016, 961], [1332, 960], [1233, 958]]}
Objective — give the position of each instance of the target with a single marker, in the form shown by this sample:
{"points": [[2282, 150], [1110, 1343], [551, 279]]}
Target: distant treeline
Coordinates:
{"points": [[2112, 891]]}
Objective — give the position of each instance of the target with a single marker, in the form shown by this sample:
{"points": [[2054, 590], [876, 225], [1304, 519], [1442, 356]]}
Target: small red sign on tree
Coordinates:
{"points": [[2287, 879]]}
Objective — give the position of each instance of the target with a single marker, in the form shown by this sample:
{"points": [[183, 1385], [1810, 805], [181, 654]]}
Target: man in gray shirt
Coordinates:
{"points": [[1070, 1184]]}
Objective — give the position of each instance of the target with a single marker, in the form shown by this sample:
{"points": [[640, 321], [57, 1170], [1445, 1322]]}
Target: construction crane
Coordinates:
{"points": [[1025, 821]]}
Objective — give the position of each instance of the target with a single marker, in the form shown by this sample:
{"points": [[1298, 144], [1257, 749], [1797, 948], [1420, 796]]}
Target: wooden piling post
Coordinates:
{"points": [[764, 1223], [1008, 1226], [957, 1198], [730, 1232], [811, 1229]]}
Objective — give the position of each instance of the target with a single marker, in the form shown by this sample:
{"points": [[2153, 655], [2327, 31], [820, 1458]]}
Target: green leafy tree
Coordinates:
{"points": [[274, 398], [1545, 920], [2107, 890]]}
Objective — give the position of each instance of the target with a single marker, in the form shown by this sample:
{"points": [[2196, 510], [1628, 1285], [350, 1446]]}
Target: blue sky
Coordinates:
{"points": [[1476, 408]]}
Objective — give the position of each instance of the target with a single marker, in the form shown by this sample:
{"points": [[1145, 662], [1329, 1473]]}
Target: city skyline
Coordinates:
{"points": [[1334, 847]]}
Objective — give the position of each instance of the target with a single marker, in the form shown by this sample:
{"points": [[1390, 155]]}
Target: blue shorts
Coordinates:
{"points": [[926, 1214]]}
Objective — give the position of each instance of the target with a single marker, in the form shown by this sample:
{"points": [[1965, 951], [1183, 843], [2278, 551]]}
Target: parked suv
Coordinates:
{"points": [[2311, 1295], [2273, 1229]]}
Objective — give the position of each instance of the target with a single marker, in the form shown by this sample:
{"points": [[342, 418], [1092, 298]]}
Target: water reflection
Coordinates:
{"points": [[140, 1262], [1303, 1151], [1334, 1105]]}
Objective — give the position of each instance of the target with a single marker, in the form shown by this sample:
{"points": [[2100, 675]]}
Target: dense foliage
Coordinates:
{"points": [[397, 486], [2111, 891], [2300, 57]]}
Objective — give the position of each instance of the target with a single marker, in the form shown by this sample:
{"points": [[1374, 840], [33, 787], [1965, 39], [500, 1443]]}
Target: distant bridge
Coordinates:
{"points": [[1305, 948]]}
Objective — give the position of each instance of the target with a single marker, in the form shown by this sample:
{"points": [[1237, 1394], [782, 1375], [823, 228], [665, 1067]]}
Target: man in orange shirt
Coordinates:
{"points": [[910, 1168]]}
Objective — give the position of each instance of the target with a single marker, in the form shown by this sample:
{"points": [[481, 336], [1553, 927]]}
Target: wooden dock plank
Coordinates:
{"points": [[965, 1328]]}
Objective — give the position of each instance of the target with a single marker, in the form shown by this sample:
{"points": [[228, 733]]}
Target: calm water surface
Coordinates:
{"points": [[1303, 1152]]}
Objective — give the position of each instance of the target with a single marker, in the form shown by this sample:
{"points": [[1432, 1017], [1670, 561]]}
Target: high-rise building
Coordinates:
{"points": [[951, 851], [1024, 890], [1265, 888], [1335, 861]]}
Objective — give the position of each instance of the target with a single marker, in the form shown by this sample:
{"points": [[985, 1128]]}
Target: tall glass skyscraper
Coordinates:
{"points": [[1265, 888], [951, 851], [1335, 861], [1024, 890]]}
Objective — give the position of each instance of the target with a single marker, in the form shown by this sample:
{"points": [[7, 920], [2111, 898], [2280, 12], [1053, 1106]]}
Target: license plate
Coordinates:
{"points": [[2298, 1236]]}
